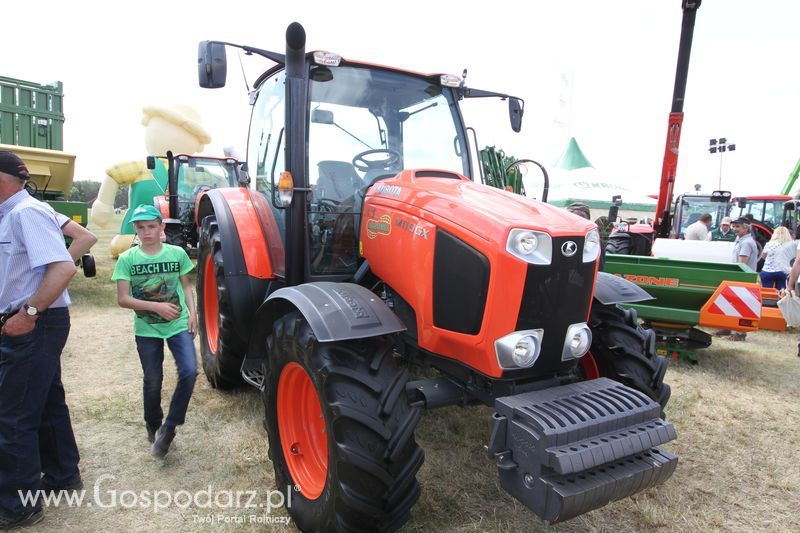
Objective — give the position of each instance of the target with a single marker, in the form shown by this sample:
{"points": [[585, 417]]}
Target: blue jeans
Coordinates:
{"points": [[775, 280], [151, 354], [35, 428]]}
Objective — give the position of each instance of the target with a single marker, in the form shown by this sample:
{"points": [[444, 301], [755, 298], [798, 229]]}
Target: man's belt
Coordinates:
{"points": [[6, 316]]}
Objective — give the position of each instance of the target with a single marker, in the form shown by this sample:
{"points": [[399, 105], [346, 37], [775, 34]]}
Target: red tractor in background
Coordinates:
{"points": [[361, 247]]}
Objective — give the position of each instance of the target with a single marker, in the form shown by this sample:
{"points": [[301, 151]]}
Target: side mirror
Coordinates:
{"points": [[742, 202], [212, 65], [515, 112], [322, 116], [151, 162]]}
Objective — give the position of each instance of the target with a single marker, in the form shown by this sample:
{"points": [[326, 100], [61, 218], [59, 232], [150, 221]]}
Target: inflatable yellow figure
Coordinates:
{"points": [[176, 128]]}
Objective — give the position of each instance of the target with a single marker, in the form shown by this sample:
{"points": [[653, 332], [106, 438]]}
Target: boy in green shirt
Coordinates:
{"points": [[152, 279]]}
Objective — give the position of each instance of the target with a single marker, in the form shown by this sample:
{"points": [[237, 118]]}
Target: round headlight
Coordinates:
{"points": [[591, 246], [526, 243], [524, 354], [579, 343]]}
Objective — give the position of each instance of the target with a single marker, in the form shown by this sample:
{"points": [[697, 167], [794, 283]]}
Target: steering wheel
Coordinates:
{"points": [[390, 160]]}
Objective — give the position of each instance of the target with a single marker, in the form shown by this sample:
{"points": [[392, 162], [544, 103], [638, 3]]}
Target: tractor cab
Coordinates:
{"points": [[689, 208], [766, 212], [361, 124]]}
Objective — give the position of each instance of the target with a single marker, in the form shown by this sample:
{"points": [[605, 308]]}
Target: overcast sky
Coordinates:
{"points": [[601, 71]]}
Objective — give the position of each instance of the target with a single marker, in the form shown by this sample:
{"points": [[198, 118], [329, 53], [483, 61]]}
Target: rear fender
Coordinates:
{"points": [[611, 289], [335, 312]]}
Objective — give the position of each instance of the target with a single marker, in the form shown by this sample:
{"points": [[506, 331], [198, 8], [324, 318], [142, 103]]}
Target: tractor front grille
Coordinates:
{"points": [[555, 296]]}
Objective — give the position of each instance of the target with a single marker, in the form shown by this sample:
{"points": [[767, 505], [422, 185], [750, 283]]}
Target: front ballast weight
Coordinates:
{"points": [[568, 450]]}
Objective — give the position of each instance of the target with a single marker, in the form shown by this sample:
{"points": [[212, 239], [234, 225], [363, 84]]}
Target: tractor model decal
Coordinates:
{"points": [[410, 227]]}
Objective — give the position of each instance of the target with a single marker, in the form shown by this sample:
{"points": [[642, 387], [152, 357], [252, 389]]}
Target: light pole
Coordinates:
{"points": [[720, 145]]}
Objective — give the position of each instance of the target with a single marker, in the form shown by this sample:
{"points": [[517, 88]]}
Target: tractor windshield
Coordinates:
{"points": [[368, 124], [691, 208]]}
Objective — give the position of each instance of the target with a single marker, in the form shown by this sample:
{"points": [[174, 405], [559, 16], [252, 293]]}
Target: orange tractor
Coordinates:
{"points": [[362, 247]]}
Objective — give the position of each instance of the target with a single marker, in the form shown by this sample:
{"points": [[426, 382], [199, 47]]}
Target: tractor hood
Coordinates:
{"points": [[487, 212]]}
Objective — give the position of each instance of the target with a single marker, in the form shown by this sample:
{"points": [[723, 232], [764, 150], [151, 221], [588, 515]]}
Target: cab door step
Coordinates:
{"points": [[568, 450]]}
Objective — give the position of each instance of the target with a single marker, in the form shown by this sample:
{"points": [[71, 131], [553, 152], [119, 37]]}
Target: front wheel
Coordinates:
{"points": [[341, 430], [221, 348], [626, 352]]}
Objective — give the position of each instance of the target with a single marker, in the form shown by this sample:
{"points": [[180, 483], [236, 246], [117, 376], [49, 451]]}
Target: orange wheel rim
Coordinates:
{"points": [[210, 304], [302, 431], [589, 366]]}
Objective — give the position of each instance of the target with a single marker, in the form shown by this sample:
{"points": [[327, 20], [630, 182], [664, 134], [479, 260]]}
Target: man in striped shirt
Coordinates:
{"points": [[35, 429]]}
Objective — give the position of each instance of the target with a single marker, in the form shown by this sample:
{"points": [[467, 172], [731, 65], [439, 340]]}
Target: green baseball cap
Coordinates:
{"points": [[145, 212]]}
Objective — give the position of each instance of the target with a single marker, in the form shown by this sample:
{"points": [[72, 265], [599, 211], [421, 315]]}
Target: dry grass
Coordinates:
{"points": [[736, 413]]}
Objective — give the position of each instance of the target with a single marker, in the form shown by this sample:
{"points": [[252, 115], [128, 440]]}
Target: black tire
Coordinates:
{"points": [[222, 359], [626, 352], [372, 456], [88, 264], [619, 244]]}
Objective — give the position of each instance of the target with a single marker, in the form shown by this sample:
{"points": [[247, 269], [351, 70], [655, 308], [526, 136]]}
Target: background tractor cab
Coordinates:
{"points": [[767, 213], [188, 176], [688, 209]]}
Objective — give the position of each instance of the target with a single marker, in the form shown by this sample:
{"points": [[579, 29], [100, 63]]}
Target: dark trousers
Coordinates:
{"points": [[151, 354], [776, 280], [35, 429]]}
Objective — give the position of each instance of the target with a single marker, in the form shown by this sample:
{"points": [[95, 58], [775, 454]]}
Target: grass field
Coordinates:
{"points": [[736, 414]]}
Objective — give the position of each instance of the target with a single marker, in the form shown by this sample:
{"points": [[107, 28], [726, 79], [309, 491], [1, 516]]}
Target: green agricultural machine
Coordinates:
{"points": [[31, 126]]}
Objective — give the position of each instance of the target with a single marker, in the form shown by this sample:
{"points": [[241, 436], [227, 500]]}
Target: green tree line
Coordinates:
{"points": [[86, 191]]}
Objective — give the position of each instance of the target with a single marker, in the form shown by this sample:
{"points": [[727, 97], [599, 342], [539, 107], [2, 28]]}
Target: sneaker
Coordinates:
{"points": [[737, 336], [49, 486], [151, 432], [163, 439], [9, 521]]}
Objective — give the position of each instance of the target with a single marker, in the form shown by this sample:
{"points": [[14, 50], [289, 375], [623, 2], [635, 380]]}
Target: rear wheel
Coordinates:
{"points": [[626, 352], [619, 244], [221, 348], [341, 430]]}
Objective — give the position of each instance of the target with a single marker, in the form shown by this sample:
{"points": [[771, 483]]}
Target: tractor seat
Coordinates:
{"points": [[337, 180]]}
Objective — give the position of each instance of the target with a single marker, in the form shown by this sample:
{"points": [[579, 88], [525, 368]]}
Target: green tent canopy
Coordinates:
{"points": [[572, 158]]}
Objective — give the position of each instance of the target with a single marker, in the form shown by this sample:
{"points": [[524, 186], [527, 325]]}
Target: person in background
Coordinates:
{"points": [[791, 285], [36, 434], [745, 250], [82, 238], [699, 230], [723, 232], [580, 209], [776, 263]]}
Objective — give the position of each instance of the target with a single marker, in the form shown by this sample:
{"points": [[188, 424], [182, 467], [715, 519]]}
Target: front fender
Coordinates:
{"points": [[335, 312], [611, 289]]}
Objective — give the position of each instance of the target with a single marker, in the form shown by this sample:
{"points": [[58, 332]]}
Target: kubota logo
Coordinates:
{"points": [[382, 226], [569, 248]]}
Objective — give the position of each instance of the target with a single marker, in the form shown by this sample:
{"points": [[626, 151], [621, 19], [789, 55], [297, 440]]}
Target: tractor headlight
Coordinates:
{"points": [[519, 349], [591, 246], [531, 246], [577, 342]]}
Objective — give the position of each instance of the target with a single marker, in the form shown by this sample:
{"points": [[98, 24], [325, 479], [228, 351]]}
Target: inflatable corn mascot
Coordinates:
{"points": [[176, 128]]}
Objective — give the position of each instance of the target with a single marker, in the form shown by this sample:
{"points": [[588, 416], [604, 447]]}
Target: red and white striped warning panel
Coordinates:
{"points": [[735, 301]]}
